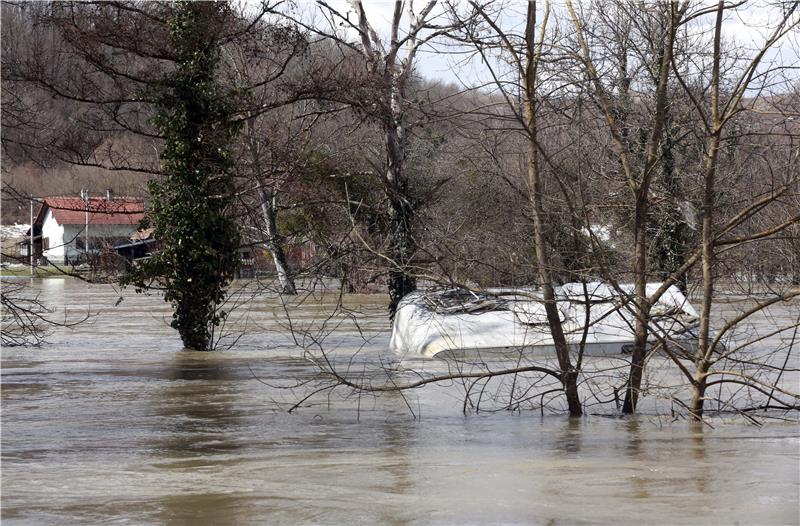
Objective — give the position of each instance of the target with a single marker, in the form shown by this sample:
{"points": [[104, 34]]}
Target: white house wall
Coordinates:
{"points": [[54, 233], [71, 234]]}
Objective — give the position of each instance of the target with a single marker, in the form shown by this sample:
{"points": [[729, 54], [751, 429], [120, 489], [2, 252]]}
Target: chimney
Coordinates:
{"points": [[109, 195]]}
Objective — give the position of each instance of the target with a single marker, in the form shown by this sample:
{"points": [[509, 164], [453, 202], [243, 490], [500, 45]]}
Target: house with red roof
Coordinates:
{"points": [[69, 229]]}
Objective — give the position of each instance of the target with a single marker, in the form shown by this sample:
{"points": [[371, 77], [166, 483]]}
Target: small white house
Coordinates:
{"points": [[68, 229]]}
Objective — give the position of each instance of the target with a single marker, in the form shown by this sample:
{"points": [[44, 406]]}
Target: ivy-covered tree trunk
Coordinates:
{"points": [[190, 204], [669, 236]]}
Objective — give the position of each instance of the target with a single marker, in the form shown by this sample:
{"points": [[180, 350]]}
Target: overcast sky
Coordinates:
{"points": [[744, 25]]}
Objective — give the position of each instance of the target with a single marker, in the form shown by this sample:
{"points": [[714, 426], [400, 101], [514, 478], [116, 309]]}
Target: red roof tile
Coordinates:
{"points": [[72, 210]]}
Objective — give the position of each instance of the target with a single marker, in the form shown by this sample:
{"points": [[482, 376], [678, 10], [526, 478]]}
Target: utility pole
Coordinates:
{"points": [[30, 247], [85, 197]]}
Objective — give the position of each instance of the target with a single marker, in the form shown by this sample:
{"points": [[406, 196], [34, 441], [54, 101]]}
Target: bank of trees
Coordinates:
{"points": [[613, 141], [639, 81]]}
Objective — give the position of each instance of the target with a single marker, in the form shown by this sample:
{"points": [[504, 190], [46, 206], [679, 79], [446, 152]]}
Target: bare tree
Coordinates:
{"points": [[389, 62], [717, 112], [526, 56], [638, 170], [258, 60]]}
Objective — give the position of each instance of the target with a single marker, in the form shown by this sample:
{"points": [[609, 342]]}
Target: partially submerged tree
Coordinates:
{"points": [[389, 61], [190, 204], [638, 164], [732, 92], [525, 52], [270, 139]]}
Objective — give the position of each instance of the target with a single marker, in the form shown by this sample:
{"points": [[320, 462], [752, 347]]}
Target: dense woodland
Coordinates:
{"points": [[619, 141]]}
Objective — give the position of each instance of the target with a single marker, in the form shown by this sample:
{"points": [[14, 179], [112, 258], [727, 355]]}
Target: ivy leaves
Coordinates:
{"points": [[199, 242]]}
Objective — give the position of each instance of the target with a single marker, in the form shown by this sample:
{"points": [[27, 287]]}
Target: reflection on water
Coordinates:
{"points": [[189, 509], [52, 288], [571, 436], [643, 482], [112, 422], [702, 469], [198, 406], [634, 442]]}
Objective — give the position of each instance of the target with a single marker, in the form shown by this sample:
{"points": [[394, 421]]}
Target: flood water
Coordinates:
{"points": [[111, 422]]}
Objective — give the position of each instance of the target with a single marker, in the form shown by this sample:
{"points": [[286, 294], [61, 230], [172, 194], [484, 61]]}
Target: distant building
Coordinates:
{"points": [[11, 237], [69, 229], [141, 245]]}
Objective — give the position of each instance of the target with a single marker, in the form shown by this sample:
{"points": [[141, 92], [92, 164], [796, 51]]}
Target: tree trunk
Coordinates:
{"points": [[704, 349], [641, 219], [401, 211], [699, 389], [569, 375], [266, 197], [669, 238], [401, 281], [641, 306], [272, 242]]}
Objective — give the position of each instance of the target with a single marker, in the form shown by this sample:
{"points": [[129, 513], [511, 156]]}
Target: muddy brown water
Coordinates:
{"points": [[112, 423]]}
